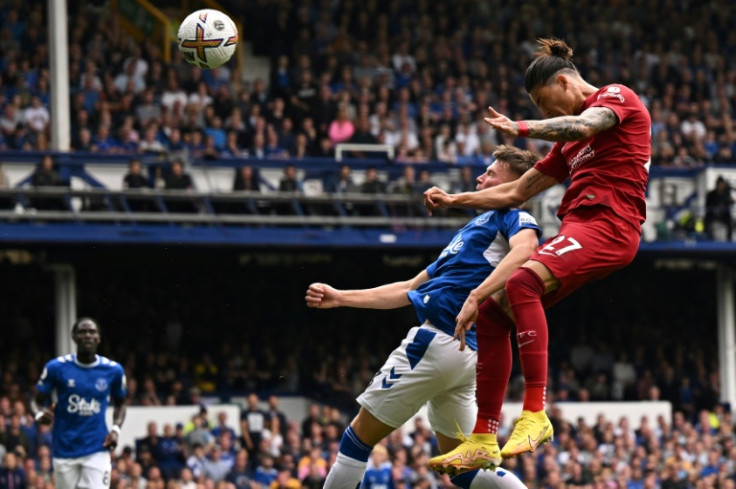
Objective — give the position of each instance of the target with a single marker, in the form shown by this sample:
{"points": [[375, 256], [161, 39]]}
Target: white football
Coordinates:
{"points": [[207, 38]]}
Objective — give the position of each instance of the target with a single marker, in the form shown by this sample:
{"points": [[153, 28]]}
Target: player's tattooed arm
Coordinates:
{"points": [[573, 128], [534, 182]]}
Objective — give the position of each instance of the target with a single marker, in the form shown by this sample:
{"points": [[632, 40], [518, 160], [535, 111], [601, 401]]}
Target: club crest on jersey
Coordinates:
{"points": [[479, 221], [70, 383], [101, 385]]}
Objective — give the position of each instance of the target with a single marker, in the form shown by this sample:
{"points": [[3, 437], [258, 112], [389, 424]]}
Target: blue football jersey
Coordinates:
{"points": [[82, 394], [471, 256]]}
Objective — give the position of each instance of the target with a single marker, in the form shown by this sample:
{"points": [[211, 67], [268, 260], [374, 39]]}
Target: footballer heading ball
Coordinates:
{"points": [[207, 38]]}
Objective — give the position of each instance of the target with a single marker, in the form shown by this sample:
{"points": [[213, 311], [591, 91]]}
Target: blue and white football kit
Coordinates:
{"points": [[82, 392], [428, 367]]}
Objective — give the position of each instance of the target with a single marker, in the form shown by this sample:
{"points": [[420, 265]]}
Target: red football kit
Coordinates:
{"points": [[603, 209], [601, 212]]}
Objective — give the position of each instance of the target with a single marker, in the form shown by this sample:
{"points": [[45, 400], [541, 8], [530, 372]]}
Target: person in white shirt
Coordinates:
{"points": [[36, 117]]}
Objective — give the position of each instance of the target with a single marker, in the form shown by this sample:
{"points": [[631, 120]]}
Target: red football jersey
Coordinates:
{"points": [[612, 167]]}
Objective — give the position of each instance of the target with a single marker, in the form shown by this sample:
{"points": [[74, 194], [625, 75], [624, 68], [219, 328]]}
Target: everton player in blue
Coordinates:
{"points": [[429, 367], [82, 384]]}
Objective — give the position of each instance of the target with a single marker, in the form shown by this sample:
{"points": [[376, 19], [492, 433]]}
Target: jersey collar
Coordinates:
{"points": [[87, 365]]}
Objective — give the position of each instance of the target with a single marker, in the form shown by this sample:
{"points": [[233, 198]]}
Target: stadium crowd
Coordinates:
{"points": [[415, 75]]}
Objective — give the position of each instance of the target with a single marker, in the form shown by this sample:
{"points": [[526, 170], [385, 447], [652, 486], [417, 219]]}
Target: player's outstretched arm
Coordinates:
{"points": [[389, 296], [564, 128], [118, 417], [499, 197], [522, 245], [42, 414]]}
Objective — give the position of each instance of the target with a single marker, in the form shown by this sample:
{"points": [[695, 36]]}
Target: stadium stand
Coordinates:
{"points": [[414, 75]]}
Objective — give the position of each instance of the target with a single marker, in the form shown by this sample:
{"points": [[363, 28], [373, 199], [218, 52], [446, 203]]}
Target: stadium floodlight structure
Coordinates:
{"points": [[65, 300]]}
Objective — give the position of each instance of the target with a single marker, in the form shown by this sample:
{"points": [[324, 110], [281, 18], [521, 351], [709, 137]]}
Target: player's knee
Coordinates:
{"points": [[524, 283]]}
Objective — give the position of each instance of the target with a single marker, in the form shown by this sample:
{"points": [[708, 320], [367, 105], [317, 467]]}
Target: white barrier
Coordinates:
{"points": [[295, 409], [138, 417]]}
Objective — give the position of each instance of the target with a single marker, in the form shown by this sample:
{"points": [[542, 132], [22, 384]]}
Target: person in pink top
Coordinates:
{"points": [[342, 128]]}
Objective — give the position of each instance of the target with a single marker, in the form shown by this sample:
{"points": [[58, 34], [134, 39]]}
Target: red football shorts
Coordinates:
{"points": [[591, 244]]}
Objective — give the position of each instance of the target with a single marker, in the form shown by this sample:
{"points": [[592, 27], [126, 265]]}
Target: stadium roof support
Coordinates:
{"points": [[726, 334], [59, 56]]}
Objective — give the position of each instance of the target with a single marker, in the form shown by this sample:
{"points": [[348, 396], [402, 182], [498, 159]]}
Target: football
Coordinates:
{"points": [[207, 38]]}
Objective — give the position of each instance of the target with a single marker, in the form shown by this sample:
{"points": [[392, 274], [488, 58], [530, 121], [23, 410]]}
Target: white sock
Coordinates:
{"points": [[347, 473], [487, 479]]}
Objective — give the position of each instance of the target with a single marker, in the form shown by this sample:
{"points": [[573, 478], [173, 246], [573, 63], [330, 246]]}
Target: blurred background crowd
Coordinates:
{"points": [[417, 75]]}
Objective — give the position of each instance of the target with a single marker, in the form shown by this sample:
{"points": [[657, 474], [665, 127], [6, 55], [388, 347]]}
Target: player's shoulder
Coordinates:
{"points": [[60, 361], [109, 363]]}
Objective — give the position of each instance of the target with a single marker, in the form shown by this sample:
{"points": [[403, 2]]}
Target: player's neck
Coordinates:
{"points": [[86, 357]]}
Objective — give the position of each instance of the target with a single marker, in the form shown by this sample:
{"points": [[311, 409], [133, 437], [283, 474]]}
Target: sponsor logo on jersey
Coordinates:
{"points": [[525, 218], [101, 385], [81, 406], [583, 155], [454, 246]]}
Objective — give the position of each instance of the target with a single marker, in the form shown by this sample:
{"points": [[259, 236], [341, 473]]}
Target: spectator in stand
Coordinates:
{"points": [[240, 475], [177, 179], [718, 203], [46, 176], [371, 184], [252, 425], [290, 181], [36, 117], [150, 143], [214, 466], [341, 129], [12, 475], [134, 178], [246, 180], [343, 183]]}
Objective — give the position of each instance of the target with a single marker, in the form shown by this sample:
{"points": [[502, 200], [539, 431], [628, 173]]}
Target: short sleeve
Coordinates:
{"points": [[554, 164], [119, 387], [46, 382], [515, 220], [431, 269], [620, 99]]}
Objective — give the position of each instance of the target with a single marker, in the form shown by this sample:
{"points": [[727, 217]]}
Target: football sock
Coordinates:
{"points": [[352, 459], [493, 330], [488, 479], [525, 290]]}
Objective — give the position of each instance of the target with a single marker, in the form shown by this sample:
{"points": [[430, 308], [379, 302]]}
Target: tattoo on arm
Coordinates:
{"points": [[573, 128]]}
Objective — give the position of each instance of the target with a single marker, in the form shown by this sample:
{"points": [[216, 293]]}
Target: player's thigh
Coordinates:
{"points": [[586, 251], [455, 405], [410, 376], [370, 429], [67, 472], [96, 470]]}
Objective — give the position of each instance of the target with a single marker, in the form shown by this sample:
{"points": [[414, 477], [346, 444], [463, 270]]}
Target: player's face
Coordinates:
{"points": [[555, 99], [87, 337], [496, 173]]}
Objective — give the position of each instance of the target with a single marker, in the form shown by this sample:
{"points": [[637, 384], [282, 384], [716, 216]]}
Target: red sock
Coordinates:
{"points": [[493, 328], [525, 290]]}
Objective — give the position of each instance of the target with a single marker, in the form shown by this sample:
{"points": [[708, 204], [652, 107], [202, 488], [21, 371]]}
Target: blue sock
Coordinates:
{"points": [[354, 447], [465, 479]]}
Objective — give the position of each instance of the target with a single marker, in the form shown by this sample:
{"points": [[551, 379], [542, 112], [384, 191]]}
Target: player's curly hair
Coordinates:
{"points": [[553, 56], [519, 160]]}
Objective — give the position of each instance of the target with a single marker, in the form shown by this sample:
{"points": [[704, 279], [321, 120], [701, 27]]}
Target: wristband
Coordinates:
{"points": [[38, 415], [523, 129], [115, 429]]}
